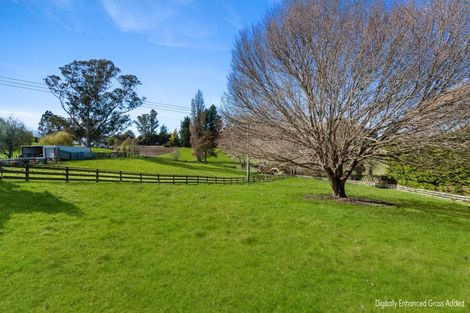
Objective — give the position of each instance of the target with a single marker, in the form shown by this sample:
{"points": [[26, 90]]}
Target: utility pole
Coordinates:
{"points": [[247, 168]]}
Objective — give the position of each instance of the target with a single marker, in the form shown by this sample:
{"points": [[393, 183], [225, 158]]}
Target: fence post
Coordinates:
{"points": [[186, 179], [158, 178], [223, 180], [173, 178], [66, 174], [216, 180], [97, 175], [197, 180], [120, 176], [26, 172]]}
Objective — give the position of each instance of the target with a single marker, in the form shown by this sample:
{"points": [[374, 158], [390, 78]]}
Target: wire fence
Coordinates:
{"points": [[77, 174]]}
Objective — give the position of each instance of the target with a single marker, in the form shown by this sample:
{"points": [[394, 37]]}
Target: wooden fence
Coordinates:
{"points": [[113, 155], [77, 174]]}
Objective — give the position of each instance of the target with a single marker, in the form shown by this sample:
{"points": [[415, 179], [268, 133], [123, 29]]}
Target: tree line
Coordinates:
{"points": [[97, 100], [201, 130]]}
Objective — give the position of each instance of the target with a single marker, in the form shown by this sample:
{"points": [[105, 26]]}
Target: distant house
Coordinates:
{"points": [[56, 152]]}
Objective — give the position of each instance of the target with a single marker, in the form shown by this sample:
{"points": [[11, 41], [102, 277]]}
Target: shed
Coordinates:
{"points": [[56, 152]]}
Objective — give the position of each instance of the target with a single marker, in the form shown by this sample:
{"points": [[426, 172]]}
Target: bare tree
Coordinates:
{"points": [[233, 145], [339, 82]]}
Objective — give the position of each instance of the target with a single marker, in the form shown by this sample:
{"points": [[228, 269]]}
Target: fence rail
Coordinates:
{"points": [[78, 174], [432, 193], [113, 155]]}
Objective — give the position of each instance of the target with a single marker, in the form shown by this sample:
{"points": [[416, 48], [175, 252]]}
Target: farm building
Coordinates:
{"points": [[56, 152]]}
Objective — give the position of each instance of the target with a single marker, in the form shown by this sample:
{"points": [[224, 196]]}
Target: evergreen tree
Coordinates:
{"points": [[213, 124], [147, 125], [185, 133], [163, 135], [86, 92], [51, 123]]}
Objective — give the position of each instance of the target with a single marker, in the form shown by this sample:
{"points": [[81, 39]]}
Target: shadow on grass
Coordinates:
{"points": [[409, 205], [194, 165], [442, 209], [13, 200], [412, 204]]}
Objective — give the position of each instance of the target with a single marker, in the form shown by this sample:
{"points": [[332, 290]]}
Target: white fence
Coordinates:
{"points": [[432, 193]]}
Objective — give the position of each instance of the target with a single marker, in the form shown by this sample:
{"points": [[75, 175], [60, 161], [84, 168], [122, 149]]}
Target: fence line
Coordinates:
{"points": [[113, 155], [426, 192], [78, 174]]}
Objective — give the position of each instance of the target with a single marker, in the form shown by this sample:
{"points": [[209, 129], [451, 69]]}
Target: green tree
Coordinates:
{"points": [[51, 123], [147, 125], [174, 140], [185, 133], [213, 124], [13, 134], [116, 139], [86, 94], [163, 135], [436, 168]]}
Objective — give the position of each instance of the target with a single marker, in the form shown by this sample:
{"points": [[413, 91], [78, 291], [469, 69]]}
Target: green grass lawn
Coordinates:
{"points": [[186, 164], [110, 247], [186, 154], [101, 150]]}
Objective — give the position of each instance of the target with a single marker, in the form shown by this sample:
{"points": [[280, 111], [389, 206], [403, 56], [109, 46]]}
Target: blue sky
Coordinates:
{"points": [[173, 46]]}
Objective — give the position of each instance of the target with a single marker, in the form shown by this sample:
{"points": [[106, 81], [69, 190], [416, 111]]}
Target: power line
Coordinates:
{"points": [[22, 80], [166, 109], [166, 104], [23, 87], [42, 87], [22, 84], [153, 106]]}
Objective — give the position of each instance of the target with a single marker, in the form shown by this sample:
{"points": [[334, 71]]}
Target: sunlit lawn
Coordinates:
{"points": [[111, 247], [186, 164]]}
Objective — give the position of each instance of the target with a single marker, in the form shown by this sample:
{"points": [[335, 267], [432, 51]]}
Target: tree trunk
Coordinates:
{"points": [[337, 182], [338, 186]]}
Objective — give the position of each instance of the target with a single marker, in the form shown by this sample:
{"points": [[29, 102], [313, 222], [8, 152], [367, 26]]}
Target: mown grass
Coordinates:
{"points": [[112, 247], [101, 150], [186, 164], [186, 154]]}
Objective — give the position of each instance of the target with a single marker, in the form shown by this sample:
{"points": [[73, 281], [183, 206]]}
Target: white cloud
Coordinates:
{"points": [[138, 16], [30, 119], [173, 23], [63, 13]]}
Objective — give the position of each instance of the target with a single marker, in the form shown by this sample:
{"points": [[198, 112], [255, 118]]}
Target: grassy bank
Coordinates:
{"points": [[182, 164]]}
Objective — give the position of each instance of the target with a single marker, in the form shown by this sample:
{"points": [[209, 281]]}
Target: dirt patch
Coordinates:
{"points": [[351, 200], [153, 151]]}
